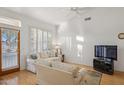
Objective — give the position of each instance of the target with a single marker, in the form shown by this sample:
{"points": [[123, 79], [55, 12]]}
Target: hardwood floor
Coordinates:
{"points": [[116, 79], [25, 77]]}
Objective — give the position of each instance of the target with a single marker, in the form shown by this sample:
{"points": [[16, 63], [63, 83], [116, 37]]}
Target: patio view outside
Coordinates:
{"points": [[9, 49]]}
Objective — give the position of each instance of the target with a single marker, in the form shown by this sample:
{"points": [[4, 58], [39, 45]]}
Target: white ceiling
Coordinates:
{"points": [[54, 15]]}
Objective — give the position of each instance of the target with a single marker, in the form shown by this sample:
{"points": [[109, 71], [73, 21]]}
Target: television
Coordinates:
{"points": [[106, 51]]}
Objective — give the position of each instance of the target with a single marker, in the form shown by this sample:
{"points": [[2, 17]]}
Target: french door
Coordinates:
{"points": [[9, 50]]}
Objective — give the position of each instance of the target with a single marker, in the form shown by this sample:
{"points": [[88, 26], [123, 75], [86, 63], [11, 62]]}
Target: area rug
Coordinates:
{"points": [[91, 78]]}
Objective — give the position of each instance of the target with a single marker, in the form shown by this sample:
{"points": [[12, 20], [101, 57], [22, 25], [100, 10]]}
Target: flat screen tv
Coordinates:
{"points": [[106, 51]]}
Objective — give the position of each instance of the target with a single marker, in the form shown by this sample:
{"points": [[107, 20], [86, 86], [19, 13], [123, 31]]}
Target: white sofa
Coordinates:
{"points": [[30, 64], [57, 73]]}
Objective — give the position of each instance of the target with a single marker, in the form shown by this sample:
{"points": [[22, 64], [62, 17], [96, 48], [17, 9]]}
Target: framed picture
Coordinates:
{"points": [[121, 35]]}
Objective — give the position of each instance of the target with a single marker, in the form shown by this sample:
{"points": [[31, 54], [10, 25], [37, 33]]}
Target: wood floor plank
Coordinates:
{"points": [[25, 77]]}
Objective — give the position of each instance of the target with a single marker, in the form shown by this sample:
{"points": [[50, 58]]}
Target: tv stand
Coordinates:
{"points": [[103, 65]]}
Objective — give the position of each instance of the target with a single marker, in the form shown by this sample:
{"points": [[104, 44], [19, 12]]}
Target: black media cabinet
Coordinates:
{"points": [[104, 66]]}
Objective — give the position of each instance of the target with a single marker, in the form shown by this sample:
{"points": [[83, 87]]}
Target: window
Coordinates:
{"points": [[80, 49], [40, 40], [80, 40], [33, 40]]}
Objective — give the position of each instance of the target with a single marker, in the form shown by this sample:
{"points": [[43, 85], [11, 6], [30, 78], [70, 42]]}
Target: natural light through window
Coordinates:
{"points": [[80, 38], [79, 48], [40, 40]]}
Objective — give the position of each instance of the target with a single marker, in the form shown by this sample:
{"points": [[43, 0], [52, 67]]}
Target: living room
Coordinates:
{"points": [[74, 30]]}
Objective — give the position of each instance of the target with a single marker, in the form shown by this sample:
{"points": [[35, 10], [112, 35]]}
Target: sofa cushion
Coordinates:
{"points": [[44, 62], [33, 56], [51, 53], [44, 55], [54, 59]]}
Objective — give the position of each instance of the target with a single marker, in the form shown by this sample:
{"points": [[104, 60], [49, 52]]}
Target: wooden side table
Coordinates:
{"points": [[62, 58]]}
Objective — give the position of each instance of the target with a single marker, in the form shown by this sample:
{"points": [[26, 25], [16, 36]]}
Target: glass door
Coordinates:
{"points": [[10, 50]]}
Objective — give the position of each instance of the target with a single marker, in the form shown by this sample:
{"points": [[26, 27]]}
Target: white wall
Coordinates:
{"points": [[24, 32], [103, 28]]}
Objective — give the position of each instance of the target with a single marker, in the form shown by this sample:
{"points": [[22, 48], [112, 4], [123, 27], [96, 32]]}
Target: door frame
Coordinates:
{"points": [[11, 70]]}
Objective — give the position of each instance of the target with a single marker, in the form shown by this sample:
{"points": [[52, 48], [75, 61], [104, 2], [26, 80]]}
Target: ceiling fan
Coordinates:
{"points": [[78, 12], [77, 9]]}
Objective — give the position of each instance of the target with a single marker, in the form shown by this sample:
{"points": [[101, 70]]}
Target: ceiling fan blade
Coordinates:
{"points": [[70, 14]]}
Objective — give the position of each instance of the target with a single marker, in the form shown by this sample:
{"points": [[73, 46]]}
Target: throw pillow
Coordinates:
{"points": [[33, 56]]}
